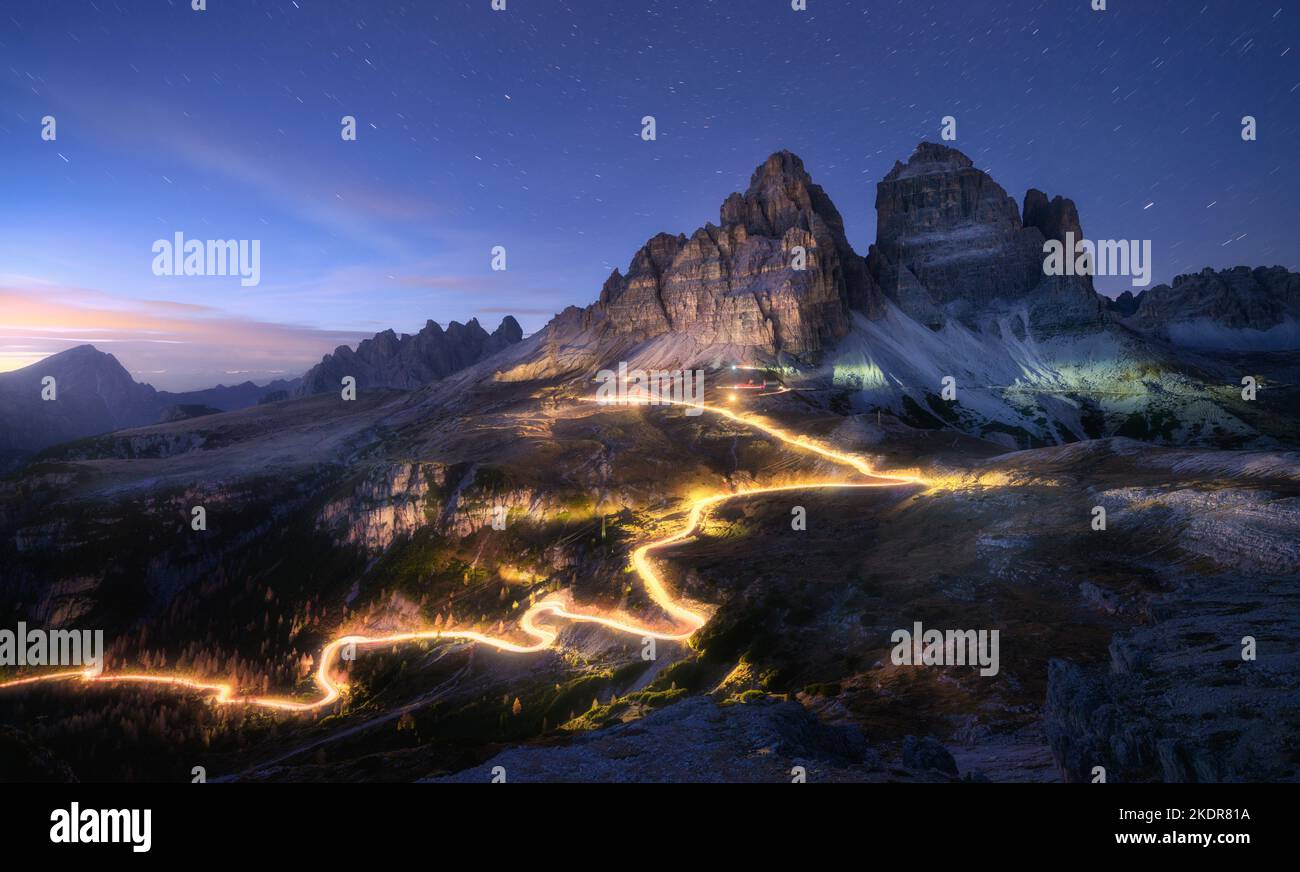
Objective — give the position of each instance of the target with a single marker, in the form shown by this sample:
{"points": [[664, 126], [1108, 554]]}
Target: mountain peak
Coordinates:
{"points": [[95, 394], [781, 164], [82, 358], [950, 238], [780, 195], [509, 330], [928, 158], [1239, 307], [735, 285], [84, 352]]}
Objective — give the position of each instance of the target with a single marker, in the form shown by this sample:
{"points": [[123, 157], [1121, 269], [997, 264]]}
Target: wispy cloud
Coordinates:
{"points": [[184, 343], [313, 189]]}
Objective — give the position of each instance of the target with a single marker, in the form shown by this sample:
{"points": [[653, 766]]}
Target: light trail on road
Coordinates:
{"points": [[331, 689]]}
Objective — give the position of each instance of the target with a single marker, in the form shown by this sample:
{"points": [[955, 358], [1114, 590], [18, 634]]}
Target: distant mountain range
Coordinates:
{"points": [[96, 394], [1240, 309], [407, 362]]}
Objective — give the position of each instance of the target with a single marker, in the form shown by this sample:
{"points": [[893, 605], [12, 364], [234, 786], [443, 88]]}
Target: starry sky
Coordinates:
{"points": [[522, 128]]}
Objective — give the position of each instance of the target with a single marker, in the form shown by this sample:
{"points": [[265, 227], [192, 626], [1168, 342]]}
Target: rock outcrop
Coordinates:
{"points": [[1178, 702], [1126, 303], [1057, 218], [1249, 309], [741, 285], [951, 242], [1054, 218], [954, 229], [734, 284], [407, 362], [399, 499]]}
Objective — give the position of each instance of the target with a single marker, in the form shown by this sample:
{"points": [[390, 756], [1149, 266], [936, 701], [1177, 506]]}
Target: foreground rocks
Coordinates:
{"points": [[698, 740], [1178, 702]]}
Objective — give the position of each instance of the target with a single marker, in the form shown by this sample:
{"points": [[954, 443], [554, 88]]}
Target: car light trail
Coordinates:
{"points": [[544, 637]]}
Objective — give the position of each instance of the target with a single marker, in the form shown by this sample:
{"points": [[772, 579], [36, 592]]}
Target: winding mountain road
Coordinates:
{"points": [[542, 637]]}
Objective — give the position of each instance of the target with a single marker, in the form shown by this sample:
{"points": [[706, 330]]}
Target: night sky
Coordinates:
{"points": [[522, 128]]}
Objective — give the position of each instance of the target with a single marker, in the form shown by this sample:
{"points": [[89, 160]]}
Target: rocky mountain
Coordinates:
{"points": [[1034, 359], [951, 243], [952, 287], [93, 394], [961, 269], [737, 290], [949, 237], [1241, 309], [390, 361]]}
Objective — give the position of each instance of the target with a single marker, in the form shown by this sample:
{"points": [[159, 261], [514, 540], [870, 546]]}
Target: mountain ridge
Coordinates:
{"points": [[408, 361], [1238, 308]]}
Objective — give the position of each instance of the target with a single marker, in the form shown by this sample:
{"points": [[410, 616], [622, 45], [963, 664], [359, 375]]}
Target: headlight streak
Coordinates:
{"points": [[544, 637]]}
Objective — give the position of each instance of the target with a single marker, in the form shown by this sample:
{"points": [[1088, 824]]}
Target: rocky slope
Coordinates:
{"points": [[699, 741], [406, 362], [1201, 687], [1236, 309]]}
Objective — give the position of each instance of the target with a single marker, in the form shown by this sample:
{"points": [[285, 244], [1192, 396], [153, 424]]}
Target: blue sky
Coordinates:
{"points": [[521, 128]]}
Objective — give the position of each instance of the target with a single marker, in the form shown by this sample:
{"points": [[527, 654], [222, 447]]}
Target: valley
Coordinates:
{"points": [[968, 538]]}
